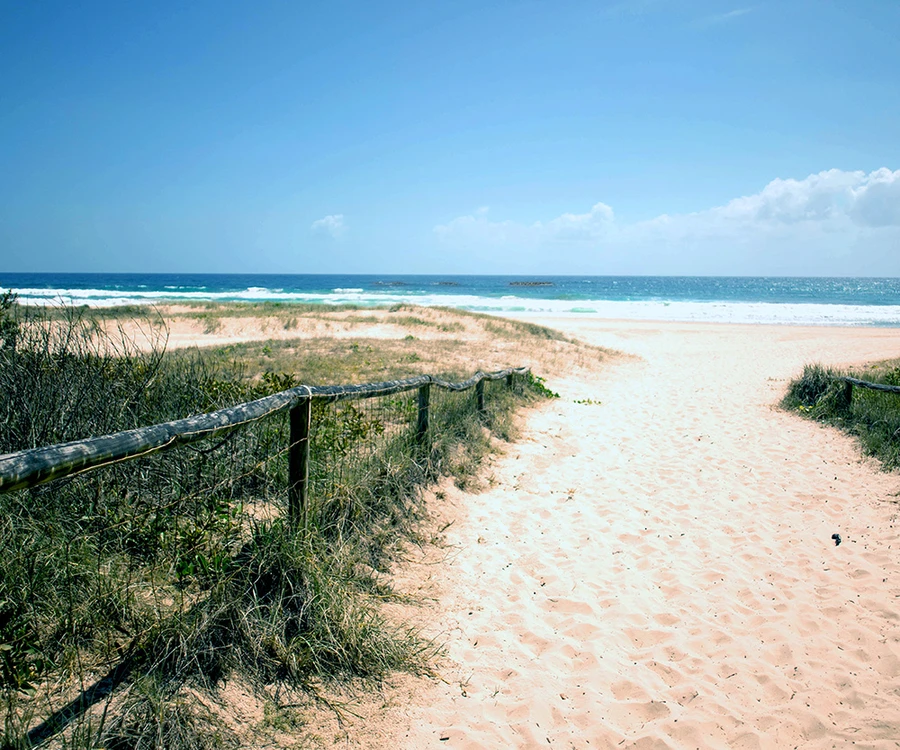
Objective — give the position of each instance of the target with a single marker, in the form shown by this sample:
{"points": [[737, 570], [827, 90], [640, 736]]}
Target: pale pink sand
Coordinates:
{"points": [[658, 571]]}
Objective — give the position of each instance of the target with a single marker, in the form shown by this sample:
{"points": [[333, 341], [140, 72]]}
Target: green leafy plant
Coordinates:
{"points": [[537, 384]]}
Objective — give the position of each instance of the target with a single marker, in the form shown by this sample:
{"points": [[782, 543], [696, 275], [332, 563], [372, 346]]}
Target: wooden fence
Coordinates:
{"points": [[850, 382], [31, 467]]}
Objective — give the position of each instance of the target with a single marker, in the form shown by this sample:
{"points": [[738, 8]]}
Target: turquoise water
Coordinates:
{"points": [[810, 301]]}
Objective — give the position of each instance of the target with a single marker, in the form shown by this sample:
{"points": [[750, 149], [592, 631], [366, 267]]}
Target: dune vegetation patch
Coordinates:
{"points": [[323, 343], [132, 595], [873, 417]]}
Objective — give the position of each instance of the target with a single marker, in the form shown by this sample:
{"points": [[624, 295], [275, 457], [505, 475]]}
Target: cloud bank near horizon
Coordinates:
{"points": [[832, 223]]}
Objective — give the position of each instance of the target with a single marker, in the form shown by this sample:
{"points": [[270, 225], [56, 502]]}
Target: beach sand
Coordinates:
{"points": [[652, 567], [657, 570]]}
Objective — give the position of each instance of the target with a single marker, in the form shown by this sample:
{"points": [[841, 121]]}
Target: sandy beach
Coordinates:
{"points": [[651, 563], [654, 568]]}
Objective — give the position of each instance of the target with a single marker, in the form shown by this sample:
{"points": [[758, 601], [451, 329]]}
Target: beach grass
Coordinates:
{"points": [[873, 417], [163, 578]]}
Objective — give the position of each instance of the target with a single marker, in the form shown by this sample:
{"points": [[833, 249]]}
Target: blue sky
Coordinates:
{"points": [[641, 136]]}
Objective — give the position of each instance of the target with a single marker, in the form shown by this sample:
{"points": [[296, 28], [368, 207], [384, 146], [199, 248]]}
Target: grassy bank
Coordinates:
{"points": [[364, 343], [872, 417], [131, 594]]}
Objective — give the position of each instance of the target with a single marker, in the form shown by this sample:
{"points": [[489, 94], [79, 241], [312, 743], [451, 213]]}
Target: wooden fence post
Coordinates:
{"points": [[479, 396], [422, 420], [298, 463], [848, 393]]}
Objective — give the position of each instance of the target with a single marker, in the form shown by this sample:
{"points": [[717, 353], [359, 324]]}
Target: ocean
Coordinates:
{"points": [[777, 300]]}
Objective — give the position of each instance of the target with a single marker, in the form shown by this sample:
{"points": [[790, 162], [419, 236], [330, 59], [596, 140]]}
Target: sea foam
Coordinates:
{"points": [[792, 313]]}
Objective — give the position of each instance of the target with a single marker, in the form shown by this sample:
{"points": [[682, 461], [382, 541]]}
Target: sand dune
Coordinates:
{"points": [[657, 570]]}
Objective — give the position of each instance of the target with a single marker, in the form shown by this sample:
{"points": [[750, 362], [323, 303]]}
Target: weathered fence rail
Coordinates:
{"points": [[850, 382], [37, 465]]}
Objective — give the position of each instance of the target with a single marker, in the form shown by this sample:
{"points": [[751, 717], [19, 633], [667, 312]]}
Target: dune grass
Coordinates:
{"points": [[137, 590], [872, 417]]}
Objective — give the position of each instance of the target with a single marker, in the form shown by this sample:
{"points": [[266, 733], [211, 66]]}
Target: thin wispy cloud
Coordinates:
{"points": [[719, 18], [333, 225]]}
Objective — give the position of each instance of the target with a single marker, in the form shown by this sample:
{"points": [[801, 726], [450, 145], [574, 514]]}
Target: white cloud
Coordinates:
{"points": [[477, 227], [595, 223], [333, 225], [817, 225], [831, 198], [876, 201]]}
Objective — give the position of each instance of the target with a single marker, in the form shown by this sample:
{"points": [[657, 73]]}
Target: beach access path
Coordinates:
{"points": [[657, 569]]}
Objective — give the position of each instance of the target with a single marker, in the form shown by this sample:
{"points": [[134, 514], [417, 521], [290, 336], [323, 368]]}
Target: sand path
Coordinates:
{"points": [[658, 570]]}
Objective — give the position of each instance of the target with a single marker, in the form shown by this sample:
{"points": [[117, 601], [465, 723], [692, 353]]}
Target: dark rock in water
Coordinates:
{"points": [[446, 283], [837, 539], [531, 283]]}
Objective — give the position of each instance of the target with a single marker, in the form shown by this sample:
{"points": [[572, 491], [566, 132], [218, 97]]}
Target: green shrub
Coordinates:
{"points": [[871, 416], [810, 386]]}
